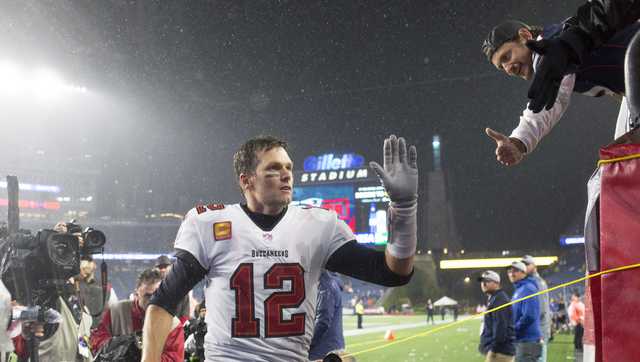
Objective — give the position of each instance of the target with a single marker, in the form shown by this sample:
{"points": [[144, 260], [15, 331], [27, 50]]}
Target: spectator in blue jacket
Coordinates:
{"points": [[327, 334], [526, 314], [497, 338], [545, 310]]}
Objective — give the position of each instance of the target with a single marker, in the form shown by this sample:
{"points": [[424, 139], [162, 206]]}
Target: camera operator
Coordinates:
{"points": [[126, 318], [90, 291], [67, 338], [63, 341], [87, 288], [195, 330]]}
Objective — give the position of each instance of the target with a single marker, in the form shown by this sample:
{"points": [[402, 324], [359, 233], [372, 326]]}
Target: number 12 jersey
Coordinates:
{"points": [[261, 286]]}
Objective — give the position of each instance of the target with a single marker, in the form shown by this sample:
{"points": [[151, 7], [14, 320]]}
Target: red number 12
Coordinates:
{"points": [[245, 324]]}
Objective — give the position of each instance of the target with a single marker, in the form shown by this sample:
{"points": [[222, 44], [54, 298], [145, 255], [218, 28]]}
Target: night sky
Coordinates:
{"points": [[183, 84]]}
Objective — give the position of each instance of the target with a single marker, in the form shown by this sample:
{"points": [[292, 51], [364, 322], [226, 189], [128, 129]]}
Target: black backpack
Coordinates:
{"points": [[125, 348]]}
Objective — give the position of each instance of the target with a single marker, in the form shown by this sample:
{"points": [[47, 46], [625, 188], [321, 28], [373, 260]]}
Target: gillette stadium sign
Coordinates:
{"points": [[331, 162], [333, 167]]}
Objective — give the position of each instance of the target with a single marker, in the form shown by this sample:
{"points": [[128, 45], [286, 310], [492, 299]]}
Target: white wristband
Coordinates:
{"points": [[403, 229]]}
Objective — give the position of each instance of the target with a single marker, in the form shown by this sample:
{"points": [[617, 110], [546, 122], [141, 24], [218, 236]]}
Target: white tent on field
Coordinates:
{"points": [[445, 302]]}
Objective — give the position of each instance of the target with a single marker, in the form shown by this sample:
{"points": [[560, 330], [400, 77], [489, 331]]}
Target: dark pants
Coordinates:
{"points": [[577, 337], [430, 317], [359, 321], [528, 351]]}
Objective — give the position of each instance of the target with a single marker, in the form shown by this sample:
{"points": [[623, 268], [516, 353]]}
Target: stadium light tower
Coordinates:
{"points": [[47, 84], [41, 83], [435, 144]]}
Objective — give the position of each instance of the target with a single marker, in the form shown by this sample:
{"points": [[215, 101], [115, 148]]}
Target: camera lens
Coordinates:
{"points": [[93, 239]]}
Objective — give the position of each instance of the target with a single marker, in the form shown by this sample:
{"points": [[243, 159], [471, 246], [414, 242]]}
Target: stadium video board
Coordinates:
{"points": [[342, 184]]}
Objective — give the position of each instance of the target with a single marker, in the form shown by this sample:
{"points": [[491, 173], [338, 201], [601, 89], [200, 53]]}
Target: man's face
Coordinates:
{"points": [[272, 183], [87, 268], [515, 275], [488, 286], [514, 58], [164, 269], [203, 312], [144, 293], [530, 268]]}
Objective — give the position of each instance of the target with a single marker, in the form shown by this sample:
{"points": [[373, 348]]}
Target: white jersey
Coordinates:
{"points": [[261, 286]]}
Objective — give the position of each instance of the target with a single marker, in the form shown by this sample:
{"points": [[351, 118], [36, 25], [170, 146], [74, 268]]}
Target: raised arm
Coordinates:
{"points": [[399, 176]]}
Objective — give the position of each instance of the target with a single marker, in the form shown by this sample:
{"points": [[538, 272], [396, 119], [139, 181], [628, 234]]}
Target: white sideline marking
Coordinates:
{"points": [[383, 328]]}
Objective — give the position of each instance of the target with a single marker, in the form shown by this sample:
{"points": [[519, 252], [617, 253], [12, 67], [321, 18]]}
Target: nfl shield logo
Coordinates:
{"points": [[267, 237]]}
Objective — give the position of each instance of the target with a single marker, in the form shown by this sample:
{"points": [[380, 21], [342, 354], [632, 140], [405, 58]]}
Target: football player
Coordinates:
{"points": [[262, 259]]}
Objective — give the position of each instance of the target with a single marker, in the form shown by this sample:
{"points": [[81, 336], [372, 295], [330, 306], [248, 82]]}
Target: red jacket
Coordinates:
{"points": [[173, 348], [20, 346]]}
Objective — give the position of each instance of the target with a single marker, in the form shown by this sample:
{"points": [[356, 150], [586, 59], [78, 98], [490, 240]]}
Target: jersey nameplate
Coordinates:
{"points": [[211, 207]]}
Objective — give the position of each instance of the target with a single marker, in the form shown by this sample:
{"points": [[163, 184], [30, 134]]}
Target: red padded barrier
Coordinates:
{"points": [[592, 320], [620, 245]]}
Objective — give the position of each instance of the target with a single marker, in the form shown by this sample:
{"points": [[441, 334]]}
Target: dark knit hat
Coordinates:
{"points": [[501, 34]]}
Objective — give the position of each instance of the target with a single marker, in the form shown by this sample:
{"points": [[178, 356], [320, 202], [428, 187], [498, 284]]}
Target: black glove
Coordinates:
{"points": [[556, 58], [123, 348], [332, 357]]}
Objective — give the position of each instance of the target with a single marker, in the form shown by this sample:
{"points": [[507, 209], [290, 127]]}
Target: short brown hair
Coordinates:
{"points": [[149, 276], [505, 32], [245, 159]]}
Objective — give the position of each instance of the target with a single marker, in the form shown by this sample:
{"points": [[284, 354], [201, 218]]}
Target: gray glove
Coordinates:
{"points": [[399, 176]]}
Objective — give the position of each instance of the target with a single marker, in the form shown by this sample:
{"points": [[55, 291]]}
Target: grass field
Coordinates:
{"points": [[455, 344]]}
